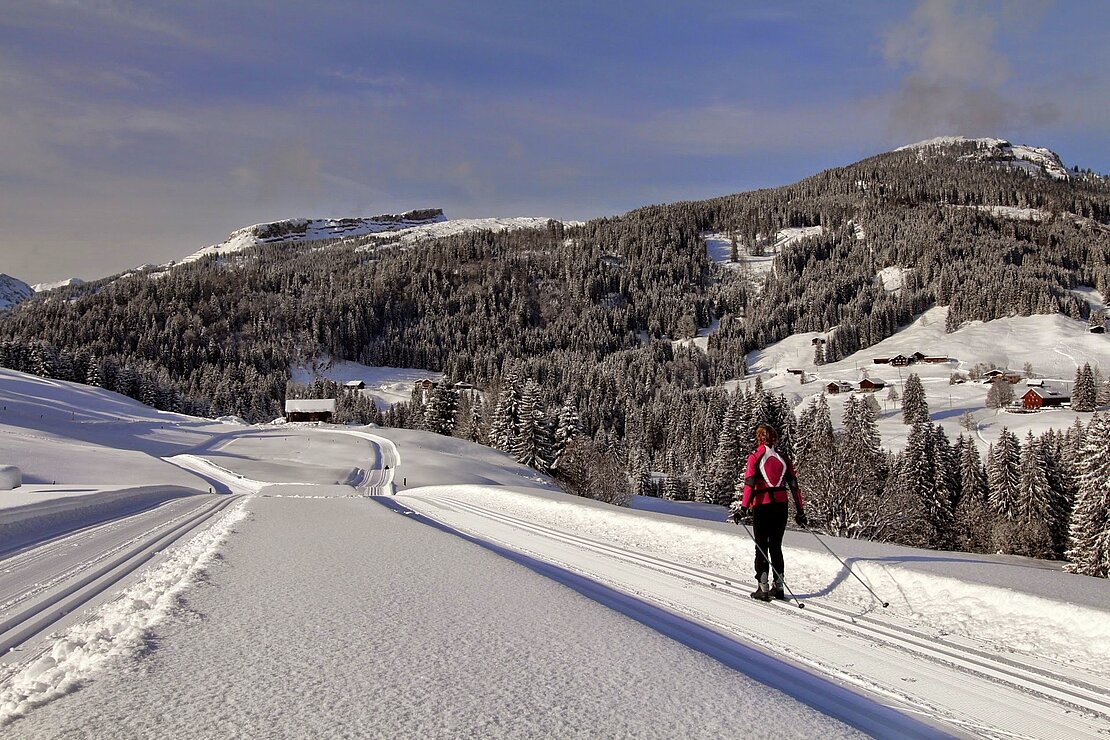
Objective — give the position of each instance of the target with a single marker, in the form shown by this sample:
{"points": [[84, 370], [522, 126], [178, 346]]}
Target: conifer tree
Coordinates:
{"points": [[533, 442], [1089, 535], [1003, 474], [915, 408], [1084, 395], [567, 427]]}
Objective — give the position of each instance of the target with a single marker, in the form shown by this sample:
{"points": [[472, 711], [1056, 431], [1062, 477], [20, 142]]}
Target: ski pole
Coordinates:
{"points": [[847, 567], [778, 576]]}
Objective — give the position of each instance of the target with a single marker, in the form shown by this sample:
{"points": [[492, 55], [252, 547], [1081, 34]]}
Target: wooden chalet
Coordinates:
{"points": [[426, 384], [309, 409], [901, 361], [1040, 397], [871, 385], [354, 385], [838, 386], [936, 360]]}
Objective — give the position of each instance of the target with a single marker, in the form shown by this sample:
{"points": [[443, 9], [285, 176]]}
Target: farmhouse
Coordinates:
{"points": [[871, 385], [838, 386], [901, 361], [309, 409], [1036, 398]]}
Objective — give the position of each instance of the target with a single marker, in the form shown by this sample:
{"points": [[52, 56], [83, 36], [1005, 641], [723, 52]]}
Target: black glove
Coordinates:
{"points": [[738, 514], [801, 520]]}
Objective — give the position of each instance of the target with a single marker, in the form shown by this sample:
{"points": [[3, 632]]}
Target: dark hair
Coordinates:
{"points": [[765, 434]]}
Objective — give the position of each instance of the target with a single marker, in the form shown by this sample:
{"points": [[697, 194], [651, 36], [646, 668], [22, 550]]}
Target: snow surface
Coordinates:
{"points": [[1031, 159], [892, 278], [313, 611], [43, 287], [13, 291], [385, 386], [718, 246], [463, 225], [1053, 345]]}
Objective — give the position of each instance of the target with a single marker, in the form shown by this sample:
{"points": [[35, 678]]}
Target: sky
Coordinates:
{"points": [[135, 133]]}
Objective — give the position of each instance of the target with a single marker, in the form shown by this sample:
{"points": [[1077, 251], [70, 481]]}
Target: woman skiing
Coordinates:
{"points": [[767, 480]]}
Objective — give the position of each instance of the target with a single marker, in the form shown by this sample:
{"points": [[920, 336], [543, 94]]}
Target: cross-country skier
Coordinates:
{"points": [[767, 480]]}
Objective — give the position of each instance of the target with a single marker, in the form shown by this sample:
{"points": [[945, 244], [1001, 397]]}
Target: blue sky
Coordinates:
{"points": [[139, 132]]}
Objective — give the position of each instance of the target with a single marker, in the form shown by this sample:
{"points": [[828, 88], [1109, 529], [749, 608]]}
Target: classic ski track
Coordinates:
{"points": [[43, 615], [46, 582], [997, 669]]}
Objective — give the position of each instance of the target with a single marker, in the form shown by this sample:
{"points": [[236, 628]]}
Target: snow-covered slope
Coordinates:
{"points": [[1031, 159], [305, 230], [409, 227], [43, 287], [13, 291]]}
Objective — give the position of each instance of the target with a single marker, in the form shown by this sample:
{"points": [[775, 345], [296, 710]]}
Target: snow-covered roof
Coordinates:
{"points": [[310, 405]]}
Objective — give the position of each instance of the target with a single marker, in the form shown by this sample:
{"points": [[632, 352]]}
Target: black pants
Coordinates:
{"points": [[768, 526]]}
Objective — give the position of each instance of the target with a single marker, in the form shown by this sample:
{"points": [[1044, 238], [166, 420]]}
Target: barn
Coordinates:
{"points": [[871, 385], [1037, 398], [309, 409]]}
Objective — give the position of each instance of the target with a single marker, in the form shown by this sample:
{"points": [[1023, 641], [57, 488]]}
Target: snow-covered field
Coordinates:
{"points": [[719, 248], [481, 601], [385, 386], [1054, 346]]}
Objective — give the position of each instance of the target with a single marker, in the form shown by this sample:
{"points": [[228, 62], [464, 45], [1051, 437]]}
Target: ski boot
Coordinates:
{"points": [[777, 591], [762, 590]]}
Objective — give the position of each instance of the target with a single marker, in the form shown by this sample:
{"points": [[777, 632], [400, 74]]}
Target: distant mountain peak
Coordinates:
{"points": [[13, 291], [1034, 160]]}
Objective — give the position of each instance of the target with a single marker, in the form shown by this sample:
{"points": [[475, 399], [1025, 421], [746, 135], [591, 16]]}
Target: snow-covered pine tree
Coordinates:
{"points": [[861, 471], [567, 427], [533, 442], [814, 463], [915, 408], [1003, 474], [973, 517], [1084, 395], [726, 467], [440, 409], [1089, 535], [1034, 514], [505, 421]]}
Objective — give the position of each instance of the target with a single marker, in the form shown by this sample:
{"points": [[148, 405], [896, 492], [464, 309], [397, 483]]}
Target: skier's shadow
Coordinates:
{"points": [[846, 572]]}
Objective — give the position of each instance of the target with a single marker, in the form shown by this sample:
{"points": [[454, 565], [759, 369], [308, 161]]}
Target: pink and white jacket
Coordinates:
{"points": [[768, 477]]}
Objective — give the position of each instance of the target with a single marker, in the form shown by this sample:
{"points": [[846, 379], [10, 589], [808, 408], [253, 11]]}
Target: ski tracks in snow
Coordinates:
{"points": [[888, 659], [118, 628]]}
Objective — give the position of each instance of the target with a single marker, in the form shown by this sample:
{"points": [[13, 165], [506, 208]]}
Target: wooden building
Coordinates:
{"points": [[1037, 398], [838, 386], [871, 385], [309, 409]]}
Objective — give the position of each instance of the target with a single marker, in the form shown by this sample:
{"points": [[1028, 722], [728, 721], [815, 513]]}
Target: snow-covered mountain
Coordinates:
{"points": [[411, 226], [43, 287], [1031, 159], [13, 291]]}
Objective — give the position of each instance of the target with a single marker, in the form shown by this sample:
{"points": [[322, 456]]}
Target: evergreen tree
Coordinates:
{"points": [[915, 408], [1089, 536], [1003, 475], [504, 429], [567, 427], [533, 443], [1084, 394], [974, 521]]}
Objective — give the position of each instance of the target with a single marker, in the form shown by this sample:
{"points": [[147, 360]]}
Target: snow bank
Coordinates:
{"points": [[32, 522], [10, 477], [117, 629]]}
